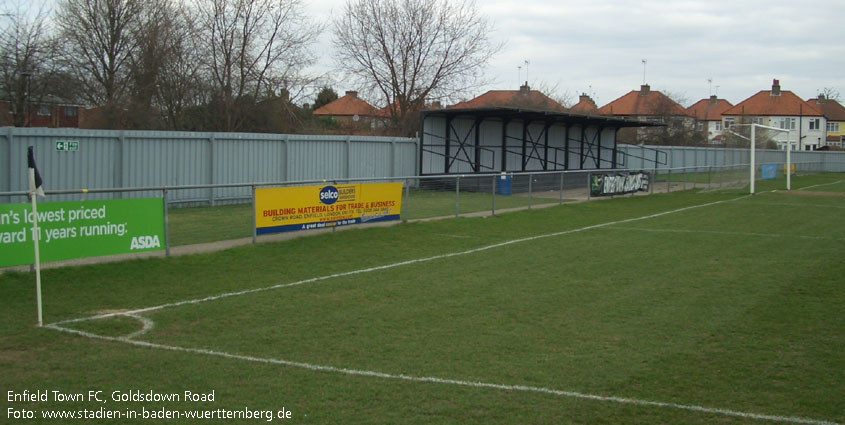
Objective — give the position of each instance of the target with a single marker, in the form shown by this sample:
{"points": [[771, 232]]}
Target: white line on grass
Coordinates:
{"points": [[147, 325], [472, 384], [823, 184], [355, 372], [787, 204], [388, 266], [717, 232], [445, 235]]}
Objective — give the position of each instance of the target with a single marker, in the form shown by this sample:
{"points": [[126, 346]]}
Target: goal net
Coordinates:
{"points": [[757, 159]]}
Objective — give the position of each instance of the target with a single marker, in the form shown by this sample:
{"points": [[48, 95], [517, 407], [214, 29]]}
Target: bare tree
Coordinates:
{"points": [[831, 93], [252, 48], [99, 40], [409, 51], [555, 92], [163, 37], [26, 60], [179, 83]]}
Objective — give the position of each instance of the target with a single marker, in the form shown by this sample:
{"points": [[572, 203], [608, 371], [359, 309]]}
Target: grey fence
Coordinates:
{"points": [[662, 157], [224, 164], [76, 159]]}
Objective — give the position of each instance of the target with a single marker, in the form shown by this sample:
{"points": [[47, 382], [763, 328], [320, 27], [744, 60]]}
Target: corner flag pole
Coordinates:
{"points": [[35, 238], [35, 189]]}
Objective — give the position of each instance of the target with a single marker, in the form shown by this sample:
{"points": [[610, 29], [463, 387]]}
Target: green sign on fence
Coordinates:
{"points": [[67, 145], [81, 229]]}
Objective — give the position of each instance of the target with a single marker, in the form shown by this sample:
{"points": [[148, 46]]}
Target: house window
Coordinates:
{"points": [[814, 124], [787, 123], [718, 126], [758, 120], [44, 110], [70, 111], [833, 127], [699, 125], [729, 123]]}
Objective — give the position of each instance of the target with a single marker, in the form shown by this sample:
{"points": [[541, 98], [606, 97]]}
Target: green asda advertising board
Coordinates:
{"points": [[81, 229]]}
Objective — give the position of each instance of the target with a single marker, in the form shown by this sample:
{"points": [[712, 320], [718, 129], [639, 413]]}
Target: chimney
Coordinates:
{"points": [[587, 99], [775, 88], [821, 99], [713, 99], [644, 89], [352, 93], [524, 89], [436, 105]]}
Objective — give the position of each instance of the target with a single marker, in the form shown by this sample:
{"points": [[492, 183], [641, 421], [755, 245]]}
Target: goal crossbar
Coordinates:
{"points": [[753, 143]]}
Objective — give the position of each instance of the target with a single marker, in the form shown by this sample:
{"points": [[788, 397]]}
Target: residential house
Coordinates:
{"points": [[351, 110], [46, 113], [708, 117], [655, 107], [782, 109], [585, 106], [834, 113], [522, 98]]}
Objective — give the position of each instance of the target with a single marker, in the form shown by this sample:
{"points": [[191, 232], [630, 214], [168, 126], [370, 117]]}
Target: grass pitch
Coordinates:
{"points": [[677, 308]]}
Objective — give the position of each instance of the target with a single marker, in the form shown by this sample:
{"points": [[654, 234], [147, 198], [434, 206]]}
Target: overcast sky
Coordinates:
{"points": [[598, 46]]}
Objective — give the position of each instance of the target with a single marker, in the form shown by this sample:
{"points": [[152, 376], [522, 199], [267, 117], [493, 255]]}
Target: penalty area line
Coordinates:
{"points": [[819, 185], [391, 266], [718, 232], [454, 382]]}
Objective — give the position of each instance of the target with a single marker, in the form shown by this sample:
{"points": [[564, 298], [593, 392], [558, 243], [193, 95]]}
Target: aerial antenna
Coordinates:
{"points": [[645, 61], [710, 88], [519, 75], [527, 62]]}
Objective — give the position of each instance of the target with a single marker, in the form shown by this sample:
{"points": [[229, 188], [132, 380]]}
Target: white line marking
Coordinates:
{"points": [[147, 325], [716, 232], [445, 235], [472, 384], [823, 184], [787, 204], [354, 372], [390, 266]]}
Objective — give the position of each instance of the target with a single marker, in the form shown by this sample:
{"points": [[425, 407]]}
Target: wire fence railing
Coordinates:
{"points": [[200, 220]]}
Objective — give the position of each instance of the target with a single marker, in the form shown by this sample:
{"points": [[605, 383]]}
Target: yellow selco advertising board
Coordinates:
{"points": [[283, 209]]}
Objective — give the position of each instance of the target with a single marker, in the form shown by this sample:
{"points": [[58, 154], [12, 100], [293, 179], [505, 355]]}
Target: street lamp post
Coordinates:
{"points": [[27, 77]]}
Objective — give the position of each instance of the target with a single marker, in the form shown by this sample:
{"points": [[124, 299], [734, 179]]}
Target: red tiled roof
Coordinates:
{"points": [[643, 103], [526, 98], [585, 105], [709, 109], [831, 109], [347, 105], [764, 104]]}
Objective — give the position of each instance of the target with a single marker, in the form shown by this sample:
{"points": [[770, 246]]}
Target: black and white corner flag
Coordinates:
{"points": [[34, 184]]}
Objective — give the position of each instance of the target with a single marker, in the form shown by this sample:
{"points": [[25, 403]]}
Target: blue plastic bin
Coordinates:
{"points": [[504, 185]]}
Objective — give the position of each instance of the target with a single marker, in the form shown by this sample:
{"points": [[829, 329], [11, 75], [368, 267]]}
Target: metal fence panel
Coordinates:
{"points": [[124, 159]]}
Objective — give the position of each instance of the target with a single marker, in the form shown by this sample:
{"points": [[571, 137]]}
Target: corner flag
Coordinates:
{"points": [[34, 190], [34, 184]]}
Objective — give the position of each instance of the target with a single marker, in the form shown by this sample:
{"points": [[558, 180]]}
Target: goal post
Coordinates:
{"points": [[752, 161]]}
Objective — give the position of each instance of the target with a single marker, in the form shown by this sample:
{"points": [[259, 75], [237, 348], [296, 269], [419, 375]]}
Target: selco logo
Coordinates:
{"points": [[329, 195]]}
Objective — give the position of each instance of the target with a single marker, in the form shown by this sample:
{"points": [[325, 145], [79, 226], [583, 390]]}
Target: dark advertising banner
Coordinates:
{"points": [[607, 184]]}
